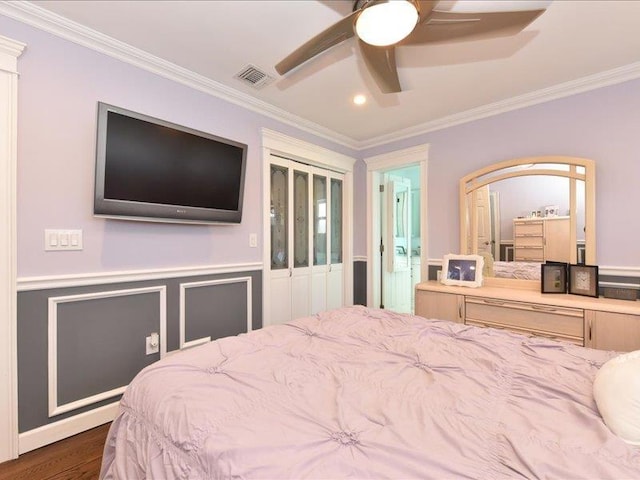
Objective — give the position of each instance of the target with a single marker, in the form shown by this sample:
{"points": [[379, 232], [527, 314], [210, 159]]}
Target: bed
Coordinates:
{"points": [[367, 393]]}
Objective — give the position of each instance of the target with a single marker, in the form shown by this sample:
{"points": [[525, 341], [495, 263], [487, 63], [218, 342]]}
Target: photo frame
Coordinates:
{"points": [[583, 280], [551, 211], [462, 270], [553, 277]]}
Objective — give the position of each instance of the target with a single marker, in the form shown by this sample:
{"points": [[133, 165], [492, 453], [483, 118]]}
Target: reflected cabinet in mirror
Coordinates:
{"points": [[520, 213]]}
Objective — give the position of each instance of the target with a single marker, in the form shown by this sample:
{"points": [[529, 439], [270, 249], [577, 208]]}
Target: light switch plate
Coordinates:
{"points": [[62, 240]]}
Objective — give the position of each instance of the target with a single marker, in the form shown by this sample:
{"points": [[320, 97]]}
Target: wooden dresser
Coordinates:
{"points": [[601, 323], [541, 239]]}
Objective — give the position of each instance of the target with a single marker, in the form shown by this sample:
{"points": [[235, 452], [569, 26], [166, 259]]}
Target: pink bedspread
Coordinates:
{"points": [[365, 393]]}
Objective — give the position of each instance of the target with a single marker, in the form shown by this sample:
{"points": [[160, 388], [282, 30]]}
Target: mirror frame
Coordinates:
{"points": [[490, 174]]}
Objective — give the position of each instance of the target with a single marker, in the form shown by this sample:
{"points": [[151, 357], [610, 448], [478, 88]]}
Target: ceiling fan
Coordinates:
{"points": [[383, 25]]}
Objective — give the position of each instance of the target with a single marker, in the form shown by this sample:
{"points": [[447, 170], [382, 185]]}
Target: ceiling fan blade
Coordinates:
{"points": [[381, 62], [453, 26], [326, 39], [425, 7]]}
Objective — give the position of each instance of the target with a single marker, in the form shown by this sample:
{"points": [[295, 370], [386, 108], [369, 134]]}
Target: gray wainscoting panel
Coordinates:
{"points": [[89, 331], [101, 343], [360, 283], [623, 282], [216, 311]]}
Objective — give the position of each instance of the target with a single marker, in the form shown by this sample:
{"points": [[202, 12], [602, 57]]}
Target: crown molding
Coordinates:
{"points": [[561, 90], [10, 50], [45, 20], [11, 47], [60, 26]]}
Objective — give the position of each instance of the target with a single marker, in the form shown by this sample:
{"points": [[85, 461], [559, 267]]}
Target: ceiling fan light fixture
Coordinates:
{"points": [[386, 23]]}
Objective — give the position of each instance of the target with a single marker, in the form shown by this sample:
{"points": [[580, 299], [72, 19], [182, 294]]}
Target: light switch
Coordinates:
{"points": [[62, 240]]}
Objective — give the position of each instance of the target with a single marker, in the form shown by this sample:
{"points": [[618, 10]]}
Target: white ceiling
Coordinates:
{"points": [[575, 45]]}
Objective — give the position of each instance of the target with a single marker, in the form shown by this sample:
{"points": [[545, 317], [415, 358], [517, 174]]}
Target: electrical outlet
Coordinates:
{"points": [[153, 343]]}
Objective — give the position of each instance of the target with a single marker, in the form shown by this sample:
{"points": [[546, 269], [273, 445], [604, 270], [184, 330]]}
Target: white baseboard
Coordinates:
{"points": [[41, 436]]}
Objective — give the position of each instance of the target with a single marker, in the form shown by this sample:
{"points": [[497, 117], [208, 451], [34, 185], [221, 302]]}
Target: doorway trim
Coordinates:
{"points": [[10, 50], [279, 144], [376, 166]]}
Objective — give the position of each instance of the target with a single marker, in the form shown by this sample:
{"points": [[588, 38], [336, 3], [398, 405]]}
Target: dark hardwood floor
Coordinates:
{"points": [[74, 458]]}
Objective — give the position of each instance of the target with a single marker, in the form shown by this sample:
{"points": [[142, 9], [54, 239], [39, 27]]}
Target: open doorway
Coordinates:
{"points": [[399, 238], [396, 228]]}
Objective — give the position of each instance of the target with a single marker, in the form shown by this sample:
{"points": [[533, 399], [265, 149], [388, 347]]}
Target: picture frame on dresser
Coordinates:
{"points": [[553, 277], [462, 270], [583, 280]]}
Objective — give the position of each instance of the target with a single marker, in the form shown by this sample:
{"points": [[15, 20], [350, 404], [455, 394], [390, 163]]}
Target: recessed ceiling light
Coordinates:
{"points": [[359, 99]]}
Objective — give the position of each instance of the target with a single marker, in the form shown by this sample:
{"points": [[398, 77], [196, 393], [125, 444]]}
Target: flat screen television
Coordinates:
{"points": [[152, 170]]}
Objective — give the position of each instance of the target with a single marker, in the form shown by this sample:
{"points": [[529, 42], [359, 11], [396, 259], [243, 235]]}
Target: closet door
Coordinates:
{"points": [[320, 242], [327, 284], [306, 265], [280, 213], [335, 283], [301, 243], [290, 213]]}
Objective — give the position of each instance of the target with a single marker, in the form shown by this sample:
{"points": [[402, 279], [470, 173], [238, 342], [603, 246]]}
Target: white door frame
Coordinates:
{"points": [[10, 50], [376, 165], [276, 143]]}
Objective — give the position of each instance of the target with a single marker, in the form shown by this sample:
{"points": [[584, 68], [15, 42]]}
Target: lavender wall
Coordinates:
{"points": [[601, 124], [60, 85]]}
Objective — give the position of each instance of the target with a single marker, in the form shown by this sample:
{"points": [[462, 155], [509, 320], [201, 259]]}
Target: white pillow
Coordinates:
{"points": [[616, 390]]}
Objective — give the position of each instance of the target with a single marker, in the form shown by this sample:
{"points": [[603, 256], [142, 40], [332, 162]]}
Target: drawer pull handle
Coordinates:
{"points": [[552, 337], [544, 309], [493, 302]]}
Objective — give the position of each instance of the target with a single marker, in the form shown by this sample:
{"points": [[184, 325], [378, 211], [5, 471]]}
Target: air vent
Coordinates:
{"points": [[253, 76]]}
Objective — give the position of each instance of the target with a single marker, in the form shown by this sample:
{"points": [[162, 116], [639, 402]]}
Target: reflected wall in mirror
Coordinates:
{"points": [[520, 213]]}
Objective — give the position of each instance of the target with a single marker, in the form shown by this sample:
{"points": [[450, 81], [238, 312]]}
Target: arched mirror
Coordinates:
{"points": [[520, 213]]}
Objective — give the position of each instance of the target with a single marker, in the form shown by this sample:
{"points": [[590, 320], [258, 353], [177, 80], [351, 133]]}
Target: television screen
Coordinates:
{"points": [[149, 169]]}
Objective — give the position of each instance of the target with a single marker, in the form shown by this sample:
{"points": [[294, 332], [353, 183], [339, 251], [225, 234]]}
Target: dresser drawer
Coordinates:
{"points": [[529, 241], [528, 228], [529, 254], [530, 333], [543, 320]]}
